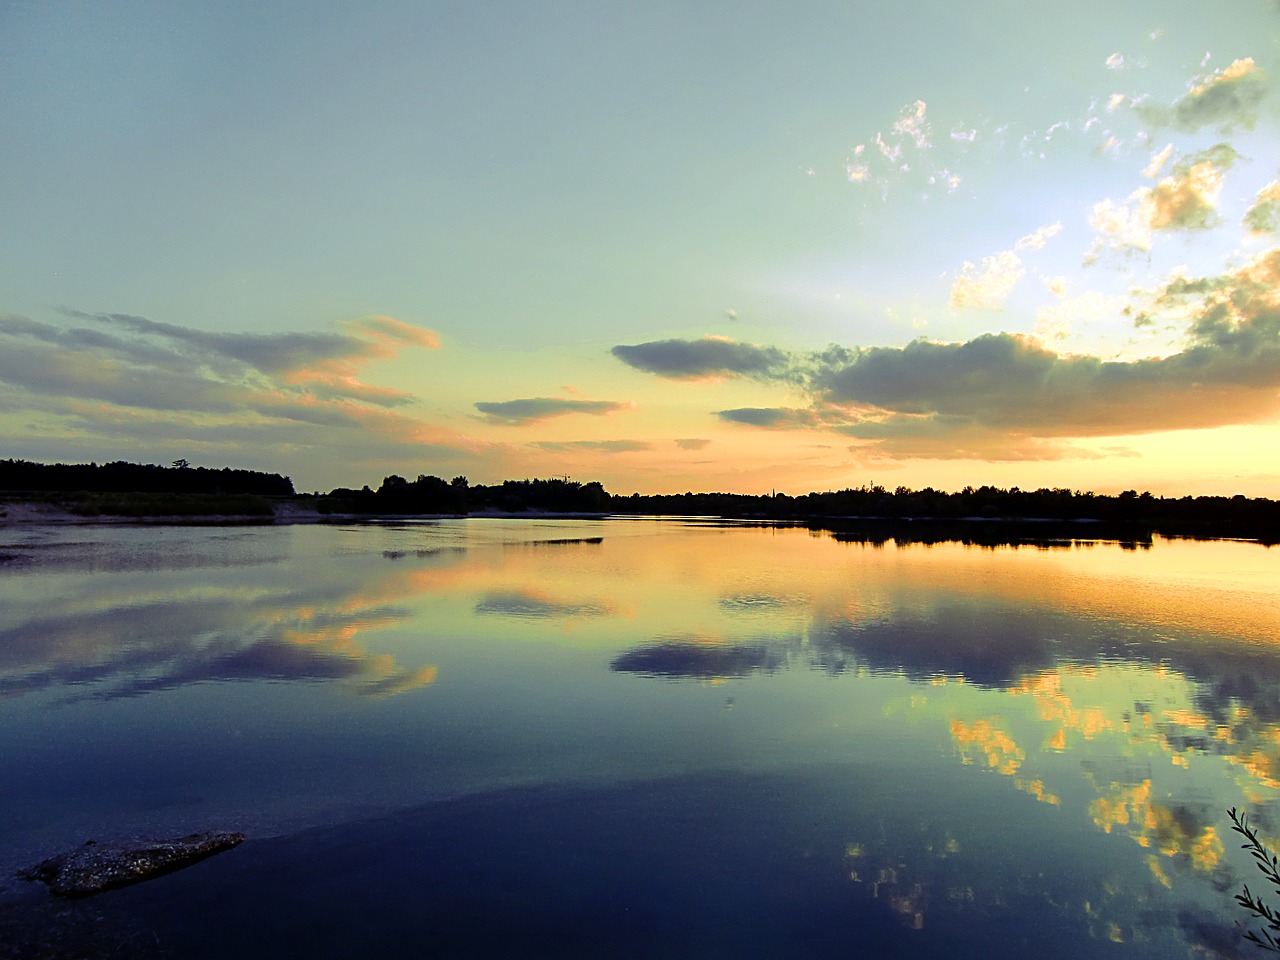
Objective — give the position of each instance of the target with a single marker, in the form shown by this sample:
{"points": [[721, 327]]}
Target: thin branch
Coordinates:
{"points": [[1269, 865]]}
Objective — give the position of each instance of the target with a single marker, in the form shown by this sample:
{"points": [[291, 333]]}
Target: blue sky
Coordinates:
{"points": [[343, 241]]}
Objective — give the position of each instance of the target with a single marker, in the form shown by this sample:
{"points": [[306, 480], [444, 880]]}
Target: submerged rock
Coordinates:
{"points": [[95, 867]]}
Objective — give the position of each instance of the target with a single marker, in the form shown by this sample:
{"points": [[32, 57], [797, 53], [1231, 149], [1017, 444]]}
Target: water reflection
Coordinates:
{"points": [[527, 604], [1054, 735], [705, 660], [119, 635]]}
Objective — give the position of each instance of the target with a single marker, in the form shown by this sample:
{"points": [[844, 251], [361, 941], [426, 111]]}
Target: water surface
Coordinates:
{"points": [[644, 738]]}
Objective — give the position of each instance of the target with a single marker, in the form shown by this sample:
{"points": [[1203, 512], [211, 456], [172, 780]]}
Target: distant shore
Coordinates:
{"points": [[27, 512], [20, 513]]}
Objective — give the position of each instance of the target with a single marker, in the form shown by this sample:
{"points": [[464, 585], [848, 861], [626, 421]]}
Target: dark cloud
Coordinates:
{"points": [[1227, 99], [708, 357], [269, 353], [1004, 396], [1008, 382], [535, 409], [770, 417], [679, 659], [139, 377], [603, 446], [691, 443], [55, 371]]}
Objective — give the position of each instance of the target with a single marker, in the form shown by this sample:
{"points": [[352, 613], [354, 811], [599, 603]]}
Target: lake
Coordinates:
{"points": [[646, 738]]}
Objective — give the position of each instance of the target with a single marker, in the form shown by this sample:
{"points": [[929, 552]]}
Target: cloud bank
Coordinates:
{"points": [[122, 379], [1007, 396]]}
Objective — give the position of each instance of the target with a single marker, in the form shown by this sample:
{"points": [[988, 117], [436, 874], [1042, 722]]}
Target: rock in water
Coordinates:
{"points": [[95, 867]]}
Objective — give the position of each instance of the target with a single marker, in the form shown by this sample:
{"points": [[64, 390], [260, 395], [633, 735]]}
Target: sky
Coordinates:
{"points": [[667, 246]]}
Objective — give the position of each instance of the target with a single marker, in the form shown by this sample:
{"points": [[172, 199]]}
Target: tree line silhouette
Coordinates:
{"points": [[869, 507], [1133, 515], [23, 476], [429, 494]]}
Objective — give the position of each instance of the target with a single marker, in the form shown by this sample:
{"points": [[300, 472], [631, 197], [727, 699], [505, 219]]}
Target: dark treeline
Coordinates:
{"points": [[22, 476], [427, 494], [1136, 512], [1133, 515]]}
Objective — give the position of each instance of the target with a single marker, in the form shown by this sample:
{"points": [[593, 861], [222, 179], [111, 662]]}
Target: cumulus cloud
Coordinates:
{"points": [[1187, 199], [988, 285], [708, 357], [1121, 225], [1007, 396], [1264, 215], [536, 409], [1226, 99], [1229, 372], [600, 446]]}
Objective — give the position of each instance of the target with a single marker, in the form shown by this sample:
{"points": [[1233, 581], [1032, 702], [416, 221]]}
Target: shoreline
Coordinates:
{"points": [[15, 513], [26, 514]]}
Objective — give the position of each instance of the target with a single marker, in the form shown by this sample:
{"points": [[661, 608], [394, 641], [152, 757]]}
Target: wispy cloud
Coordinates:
{"points": [[1038, 239], [121, 375], [904, 151], [600, 446], [537, 409]]}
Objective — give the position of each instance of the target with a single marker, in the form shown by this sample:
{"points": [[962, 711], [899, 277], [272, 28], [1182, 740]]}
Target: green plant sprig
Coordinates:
{"points": [[1269, 864]]}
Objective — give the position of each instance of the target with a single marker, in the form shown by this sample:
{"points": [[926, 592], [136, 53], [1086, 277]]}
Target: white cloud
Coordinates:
{"points": [[1185, 200], [988, 285], [1264, 215], [1158, 160], [1037, 240], [911, 123]]}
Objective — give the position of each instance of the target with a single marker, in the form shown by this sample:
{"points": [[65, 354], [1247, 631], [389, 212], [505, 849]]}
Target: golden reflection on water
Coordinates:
{"points": [[1130, 693]]}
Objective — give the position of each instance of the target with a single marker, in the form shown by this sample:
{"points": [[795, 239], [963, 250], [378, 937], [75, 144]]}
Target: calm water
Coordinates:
{"points": [[653, 739]]}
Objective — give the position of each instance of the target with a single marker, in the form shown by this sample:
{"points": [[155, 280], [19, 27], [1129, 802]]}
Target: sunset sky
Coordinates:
{"points": [[667, 246]]}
